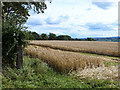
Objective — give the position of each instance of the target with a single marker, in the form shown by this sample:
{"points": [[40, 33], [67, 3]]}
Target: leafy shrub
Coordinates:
{"points": [[12, 36]]}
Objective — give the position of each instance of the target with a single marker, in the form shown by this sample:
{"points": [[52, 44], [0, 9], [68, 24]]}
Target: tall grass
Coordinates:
{"points": [[37, 74], [62, 60], [0, 80], [27, 77], [96, 47]]}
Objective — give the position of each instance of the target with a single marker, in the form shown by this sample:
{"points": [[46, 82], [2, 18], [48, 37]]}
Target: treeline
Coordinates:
{"points": [[35, 36]]}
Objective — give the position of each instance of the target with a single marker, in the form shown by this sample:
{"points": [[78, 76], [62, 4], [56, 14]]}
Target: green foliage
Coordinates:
{"points": [[28, 35], [52, 36], [90, 39], [36, 35], [31, 35], [64, 37], [44, 36], [14, 15], [12, 36], [37, 74], [21, 9], [110, 63], [76, 39]]}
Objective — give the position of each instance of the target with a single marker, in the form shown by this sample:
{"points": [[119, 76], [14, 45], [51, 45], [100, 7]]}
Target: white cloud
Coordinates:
{"points": [[105, 0], [70, 17]]}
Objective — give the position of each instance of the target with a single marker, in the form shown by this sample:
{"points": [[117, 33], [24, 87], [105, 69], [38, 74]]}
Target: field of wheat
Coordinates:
{"points": [[64, 61], [82, 65], [110, 72], [104, 48]]}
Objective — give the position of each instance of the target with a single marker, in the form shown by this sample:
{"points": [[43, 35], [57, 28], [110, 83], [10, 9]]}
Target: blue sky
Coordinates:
{"points": [[77, 18]]}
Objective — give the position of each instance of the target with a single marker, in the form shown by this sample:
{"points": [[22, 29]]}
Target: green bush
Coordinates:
{"points": [[12, 36]]}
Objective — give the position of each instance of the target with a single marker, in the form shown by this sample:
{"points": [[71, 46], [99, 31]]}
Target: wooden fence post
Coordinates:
{"points": [[19, 62]]}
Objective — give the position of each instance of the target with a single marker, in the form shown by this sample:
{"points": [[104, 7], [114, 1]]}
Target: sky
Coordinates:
{"points": [[77, 18]]}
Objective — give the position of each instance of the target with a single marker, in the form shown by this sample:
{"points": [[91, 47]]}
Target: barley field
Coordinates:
{"points": [[58, 55], [82, 65], [110, 73], [96, 47], [63, 60]]}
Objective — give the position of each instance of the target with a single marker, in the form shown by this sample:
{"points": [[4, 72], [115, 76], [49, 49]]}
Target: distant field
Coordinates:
{"points": [[96, 47]]}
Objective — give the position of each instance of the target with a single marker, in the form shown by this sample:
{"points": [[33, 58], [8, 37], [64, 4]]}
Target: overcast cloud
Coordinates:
{"points": [[77, 18]]}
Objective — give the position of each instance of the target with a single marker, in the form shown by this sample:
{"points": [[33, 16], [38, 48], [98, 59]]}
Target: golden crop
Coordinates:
{"points": [[104, 48], [64, 61], [110, 73]]}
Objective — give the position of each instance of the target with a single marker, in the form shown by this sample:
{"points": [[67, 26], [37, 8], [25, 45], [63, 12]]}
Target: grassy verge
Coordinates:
{"points": [[37, 74]]}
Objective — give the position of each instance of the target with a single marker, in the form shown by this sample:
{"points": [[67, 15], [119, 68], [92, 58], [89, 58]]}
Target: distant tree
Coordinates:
{"points": [[52, 36], [36, 36], [44, 36], [77, 39], [40, 38], [28, 35], [69, 38], [64, 37], [90, 39]]}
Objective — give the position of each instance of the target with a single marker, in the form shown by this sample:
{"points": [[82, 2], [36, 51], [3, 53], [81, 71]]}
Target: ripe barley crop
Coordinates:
{"points": [[110, 72], [64, 61], [104, 48]]}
